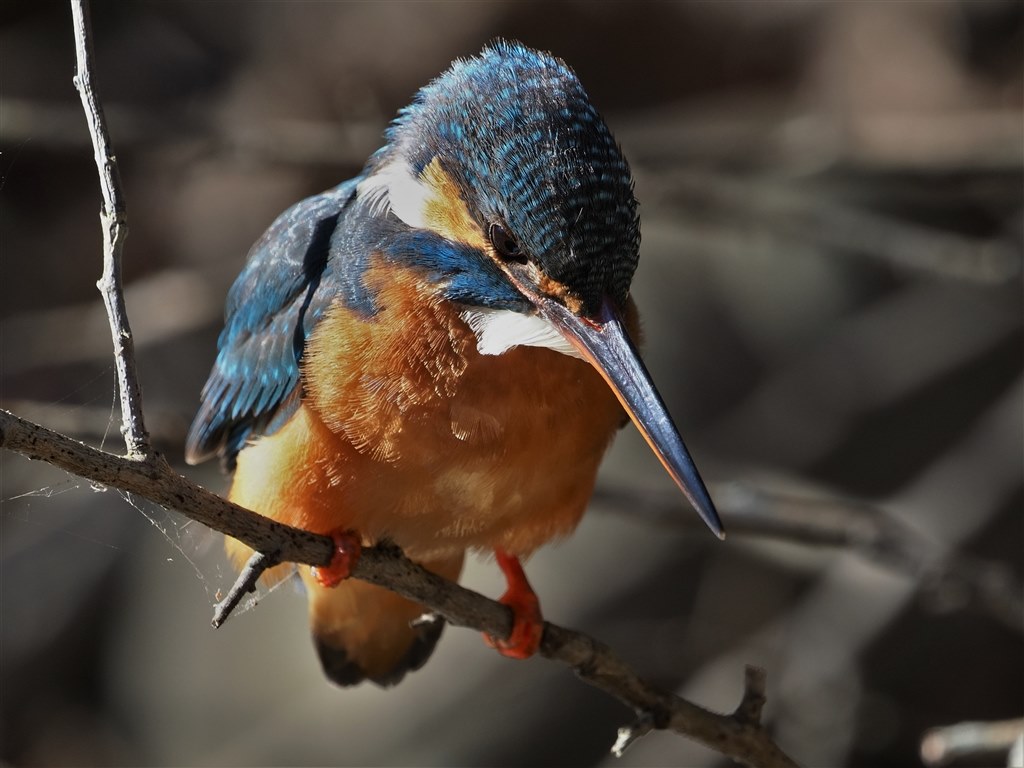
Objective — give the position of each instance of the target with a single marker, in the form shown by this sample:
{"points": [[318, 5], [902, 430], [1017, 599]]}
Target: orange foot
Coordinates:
{"points": [[527, 622], [347, 547]]}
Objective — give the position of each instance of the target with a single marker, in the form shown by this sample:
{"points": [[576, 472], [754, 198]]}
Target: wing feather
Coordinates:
{"points": [[271, 309]]}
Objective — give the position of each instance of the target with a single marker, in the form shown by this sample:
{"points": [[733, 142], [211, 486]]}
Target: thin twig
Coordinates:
{"points": [[738, 737], [114, 219], [244, 584], [630, 734], [752, 704]]}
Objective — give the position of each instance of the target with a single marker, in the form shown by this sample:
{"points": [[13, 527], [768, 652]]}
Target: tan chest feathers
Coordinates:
{"points": [[409, 380]]}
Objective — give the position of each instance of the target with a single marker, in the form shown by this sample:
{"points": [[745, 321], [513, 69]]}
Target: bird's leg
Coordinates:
{"points": [[527, 621], [347, 547]]}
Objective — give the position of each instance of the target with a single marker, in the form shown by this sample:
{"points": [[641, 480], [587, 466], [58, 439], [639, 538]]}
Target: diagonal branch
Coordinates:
{"points": [[153, 478], [740, 735]]}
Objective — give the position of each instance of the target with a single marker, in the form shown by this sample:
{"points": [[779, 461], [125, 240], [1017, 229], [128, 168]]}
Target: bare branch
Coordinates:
{"points": [[630, 734], [752, 704], [247, 580], [152, 478], [739, 736], [114, 219]]}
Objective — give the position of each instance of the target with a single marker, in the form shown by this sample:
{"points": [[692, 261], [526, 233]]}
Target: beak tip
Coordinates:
{"points": [[699, 498], [710, 516], [696, 492]]}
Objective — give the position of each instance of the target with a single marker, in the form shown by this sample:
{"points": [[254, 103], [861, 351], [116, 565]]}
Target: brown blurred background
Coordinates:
{"points": [[831, 282]]}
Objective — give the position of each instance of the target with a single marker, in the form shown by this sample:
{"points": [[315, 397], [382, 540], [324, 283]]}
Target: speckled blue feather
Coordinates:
{"points": [[270, 311]]}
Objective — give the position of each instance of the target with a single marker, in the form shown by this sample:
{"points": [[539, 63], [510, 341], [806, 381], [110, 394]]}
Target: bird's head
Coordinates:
{"points": [[507, 166]]}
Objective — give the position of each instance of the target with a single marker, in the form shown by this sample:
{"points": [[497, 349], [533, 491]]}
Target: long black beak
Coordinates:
{"points": [[605, 344]]}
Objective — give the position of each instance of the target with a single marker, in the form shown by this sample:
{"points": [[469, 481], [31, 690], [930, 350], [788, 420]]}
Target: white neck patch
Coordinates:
{"points": [[396, 188], [499, 330]]}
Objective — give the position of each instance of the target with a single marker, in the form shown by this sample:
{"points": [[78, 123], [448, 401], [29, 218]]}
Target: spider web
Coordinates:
{"points": [[200, 548], [64, 514]]}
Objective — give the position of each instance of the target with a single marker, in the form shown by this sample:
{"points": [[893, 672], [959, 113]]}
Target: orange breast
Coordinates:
{"points": [[407, 432]]}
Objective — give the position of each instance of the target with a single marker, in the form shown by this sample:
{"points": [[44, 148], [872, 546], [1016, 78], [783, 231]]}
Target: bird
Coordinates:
{"points": [[437, 353]]}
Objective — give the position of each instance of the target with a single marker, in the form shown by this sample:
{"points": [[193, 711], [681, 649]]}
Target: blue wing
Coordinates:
{"points": [[271, 309]]}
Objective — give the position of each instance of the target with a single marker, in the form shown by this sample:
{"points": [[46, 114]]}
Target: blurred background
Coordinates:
{"points": [[830, 280]]}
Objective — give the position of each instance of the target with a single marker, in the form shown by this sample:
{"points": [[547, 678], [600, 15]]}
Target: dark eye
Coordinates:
{"points": [[504, 244]]}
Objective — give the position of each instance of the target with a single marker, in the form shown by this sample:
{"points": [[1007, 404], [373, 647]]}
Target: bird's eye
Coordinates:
{"points": [[504, 244]]}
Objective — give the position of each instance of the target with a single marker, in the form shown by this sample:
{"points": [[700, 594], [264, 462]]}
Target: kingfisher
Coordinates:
{"points": [[438, 352]]}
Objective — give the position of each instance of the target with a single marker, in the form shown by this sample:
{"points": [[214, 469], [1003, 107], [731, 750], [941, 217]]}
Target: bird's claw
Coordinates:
{"points": [[527, 621], [347, 547]]}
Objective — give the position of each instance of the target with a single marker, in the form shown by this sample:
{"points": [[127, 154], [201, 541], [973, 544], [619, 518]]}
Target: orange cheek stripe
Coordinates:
{"points": [[445, 211]]}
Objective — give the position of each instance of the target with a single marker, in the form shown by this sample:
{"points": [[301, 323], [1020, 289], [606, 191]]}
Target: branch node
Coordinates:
{"points": [[628, 734], [751, 705], [244, 584]]}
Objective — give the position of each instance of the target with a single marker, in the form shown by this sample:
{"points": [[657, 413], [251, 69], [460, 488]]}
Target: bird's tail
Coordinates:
{"points": [[361, 631], [366, 632]]}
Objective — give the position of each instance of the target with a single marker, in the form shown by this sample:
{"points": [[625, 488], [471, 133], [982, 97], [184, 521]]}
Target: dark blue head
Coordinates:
{"points": [[507, 147]]}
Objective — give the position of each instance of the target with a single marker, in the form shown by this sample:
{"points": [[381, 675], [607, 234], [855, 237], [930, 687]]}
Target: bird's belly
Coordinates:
{"points": [[530, 485], [506, 459]]}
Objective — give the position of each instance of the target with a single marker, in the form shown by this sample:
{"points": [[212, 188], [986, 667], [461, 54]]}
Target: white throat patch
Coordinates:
{"points": [[395, 188], [499, 330]]}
